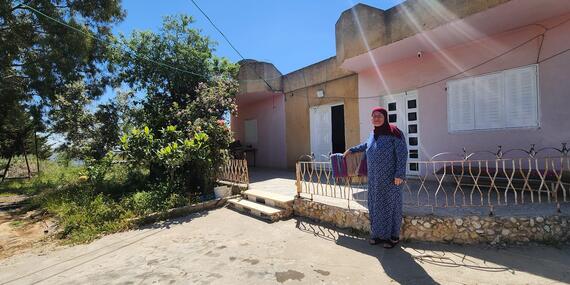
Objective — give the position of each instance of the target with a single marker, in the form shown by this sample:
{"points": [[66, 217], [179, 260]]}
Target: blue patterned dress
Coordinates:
{"points": [[386, 157]]}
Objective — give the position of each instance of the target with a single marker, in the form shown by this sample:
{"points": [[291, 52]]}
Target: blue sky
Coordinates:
{"points": [[290, 34]]}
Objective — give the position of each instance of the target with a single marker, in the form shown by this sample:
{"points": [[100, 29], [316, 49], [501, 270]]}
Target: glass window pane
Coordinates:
{"points": [[392, 118], [414, 166], [413, 153], [412, 116], [412, 104], [413, 129], [392, 106], [413, 141]]}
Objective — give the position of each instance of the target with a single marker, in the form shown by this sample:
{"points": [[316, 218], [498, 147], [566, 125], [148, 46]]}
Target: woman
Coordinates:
{"points": [[386, 154]]}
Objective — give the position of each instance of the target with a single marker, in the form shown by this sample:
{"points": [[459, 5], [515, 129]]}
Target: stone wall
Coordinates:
{"points": [[461, 230]]}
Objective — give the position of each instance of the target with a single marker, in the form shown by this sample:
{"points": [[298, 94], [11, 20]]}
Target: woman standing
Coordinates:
{"points": [[386, 154]]}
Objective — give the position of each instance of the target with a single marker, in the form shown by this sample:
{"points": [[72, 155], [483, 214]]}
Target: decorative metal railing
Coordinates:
{"points": [[234, 172], [490, 181]]}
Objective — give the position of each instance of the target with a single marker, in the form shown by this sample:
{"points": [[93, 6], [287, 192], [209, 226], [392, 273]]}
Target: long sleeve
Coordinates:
{"points": [[359, 148], [401, 150]]}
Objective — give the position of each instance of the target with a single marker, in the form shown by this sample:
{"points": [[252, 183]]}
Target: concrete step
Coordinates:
{"points": [[256, 209], [270, 199]]}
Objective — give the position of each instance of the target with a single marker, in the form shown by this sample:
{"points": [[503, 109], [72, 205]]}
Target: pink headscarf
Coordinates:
{"points": [[387, 128]]}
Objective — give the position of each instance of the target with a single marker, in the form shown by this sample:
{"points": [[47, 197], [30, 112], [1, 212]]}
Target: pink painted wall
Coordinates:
{"points": [[270, 115], [413, 73]]}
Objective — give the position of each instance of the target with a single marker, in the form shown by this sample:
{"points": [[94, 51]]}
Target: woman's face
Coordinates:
{"points": [[377, 119]]}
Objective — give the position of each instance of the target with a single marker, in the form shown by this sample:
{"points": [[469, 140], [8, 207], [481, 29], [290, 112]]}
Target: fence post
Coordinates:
{"points": [[246, 172], [298, 182]]}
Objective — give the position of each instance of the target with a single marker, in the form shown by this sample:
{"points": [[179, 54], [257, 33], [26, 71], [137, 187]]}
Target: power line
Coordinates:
{"points": [[543, 34], [112, 44], [217, 29], [228, 41]]}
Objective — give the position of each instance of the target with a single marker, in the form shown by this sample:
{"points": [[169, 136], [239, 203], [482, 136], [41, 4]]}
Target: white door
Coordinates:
{"points": [[321, 132], [394, 104], [403, 112]]}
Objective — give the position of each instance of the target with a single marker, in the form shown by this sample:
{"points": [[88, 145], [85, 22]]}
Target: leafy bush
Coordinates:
{"points": [[82, 214], [180, 160], [97, 169]]}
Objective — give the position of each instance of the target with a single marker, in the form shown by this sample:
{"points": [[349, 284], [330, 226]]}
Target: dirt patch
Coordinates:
{"points": [[21, 230], [11, 202]]}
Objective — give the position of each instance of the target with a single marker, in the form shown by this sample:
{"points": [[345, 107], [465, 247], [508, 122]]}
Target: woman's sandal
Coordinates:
{"points": [[391, 243], [375, 241]]}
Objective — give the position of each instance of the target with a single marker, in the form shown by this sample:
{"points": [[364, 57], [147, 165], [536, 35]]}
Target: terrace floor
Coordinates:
{"points": [[416, 202]]}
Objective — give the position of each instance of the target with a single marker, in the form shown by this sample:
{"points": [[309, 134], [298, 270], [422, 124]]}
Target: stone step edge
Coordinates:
{"points": [[257, 210], [262, 208], [270, 196]]}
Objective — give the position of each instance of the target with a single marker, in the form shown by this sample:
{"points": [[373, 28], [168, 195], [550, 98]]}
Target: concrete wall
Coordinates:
{"points": [[384, 27], [315, 74], [412, 73], [343, 90], [252, 74], [300, 87], [270, 116]]}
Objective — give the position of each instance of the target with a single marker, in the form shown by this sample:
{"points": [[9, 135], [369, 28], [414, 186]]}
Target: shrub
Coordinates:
{"points": [[182, 161]]}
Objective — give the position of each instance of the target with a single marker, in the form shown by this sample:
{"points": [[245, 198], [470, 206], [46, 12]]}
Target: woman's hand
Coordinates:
{"points": [[347, 152], [398, 181]]}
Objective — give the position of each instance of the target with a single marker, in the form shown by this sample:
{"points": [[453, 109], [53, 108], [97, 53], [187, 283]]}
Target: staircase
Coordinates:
{"points": [[264, 205]]}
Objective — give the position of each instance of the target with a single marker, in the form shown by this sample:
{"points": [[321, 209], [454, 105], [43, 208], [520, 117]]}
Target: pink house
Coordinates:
{"points": [[453, 74]]}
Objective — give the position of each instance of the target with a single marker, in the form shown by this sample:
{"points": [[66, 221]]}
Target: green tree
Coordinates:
{"points": [[187, 60], [193, 99], [41, 59]]}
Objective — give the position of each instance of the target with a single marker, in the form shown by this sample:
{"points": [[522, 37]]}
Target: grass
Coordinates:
{"points": [[87, 209], [16, 224], [51, 175]]}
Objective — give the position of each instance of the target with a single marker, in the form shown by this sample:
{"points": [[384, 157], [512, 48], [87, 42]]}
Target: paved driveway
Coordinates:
{"points": [[225, 247]]}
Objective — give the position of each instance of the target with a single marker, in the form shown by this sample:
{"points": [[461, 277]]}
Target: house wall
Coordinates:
{"points": [[413, 73], [381, 27], [257, 76], [270, 115], [343, 90], [300, 87]]}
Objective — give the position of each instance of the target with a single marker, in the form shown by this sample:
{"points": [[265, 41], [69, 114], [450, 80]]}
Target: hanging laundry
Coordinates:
{"points": [[338, 163]]}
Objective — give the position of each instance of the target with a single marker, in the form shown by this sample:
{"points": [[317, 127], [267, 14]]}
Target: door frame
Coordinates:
{"points": [[330, 105]]}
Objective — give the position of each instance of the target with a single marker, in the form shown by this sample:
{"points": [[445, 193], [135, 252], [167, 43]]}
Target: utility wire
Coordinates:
{"points": [[233, 47], [543, 34], [127, 50], [229, 42]]}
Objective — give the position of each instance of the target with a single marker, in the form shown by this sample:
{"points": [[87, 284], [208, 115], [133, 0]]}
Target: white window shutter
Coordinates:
{"points": [[489, 102], [460, 107], [521, 97]]}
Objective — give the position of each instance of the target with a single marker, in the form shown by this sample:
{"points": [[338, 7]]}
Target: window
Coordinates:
{"points": [[412, 129], [250, 132], [413, 141], [413, 153], [392, 118], [392, 107], [412, 104], [507, 99], [414, 166]]}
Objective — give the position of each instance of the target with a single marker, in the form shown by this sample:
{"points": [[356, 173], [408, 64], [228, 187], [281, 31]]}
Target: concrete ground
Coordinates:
{"points": [[226, 247]]}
